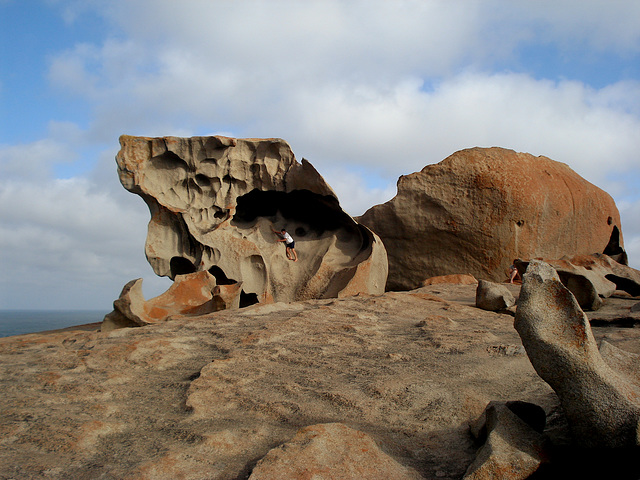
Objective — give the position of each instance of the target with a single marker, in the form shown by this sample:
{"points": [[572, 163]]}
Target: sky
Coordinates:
{"points": [[365, 90]]}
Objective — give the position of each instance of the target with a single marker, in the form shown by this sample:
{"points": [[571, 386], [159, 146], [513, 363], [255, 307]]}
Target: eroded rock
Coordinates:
{"points": [[330, 451], [601, 406], [480, 208], [457, 279], [190, 294], [214, 202], [493, 297], [514, 448], [590, 278]]}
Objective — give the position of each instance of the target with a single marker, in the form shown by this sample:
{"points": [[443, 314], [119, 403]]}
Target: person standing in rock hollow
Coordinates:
{"points": [[283, 236]]}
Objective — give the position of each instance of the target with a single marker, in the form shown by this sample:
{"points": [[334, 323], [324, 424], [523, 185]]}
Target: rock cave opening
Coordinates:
{"points": [[321, 213], [614, 249], [181, 266], [624, 284], [220, 276], [248, 299]]}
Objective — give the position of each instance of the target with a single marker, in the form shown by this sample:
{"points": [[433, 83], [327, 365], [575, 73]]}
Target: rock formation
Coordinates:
{"points": [[601, 405], [493, 296], [592, 277], [513, 449], [190, 294], [214, 202], [205, 397], [457, 279], [480, 208]]}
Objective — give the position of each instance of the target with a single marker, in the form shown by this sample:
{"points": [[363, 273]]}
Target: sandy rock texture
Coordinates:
{"points": [[480, 208], [207, 397], [214, 202], [330, 452]]}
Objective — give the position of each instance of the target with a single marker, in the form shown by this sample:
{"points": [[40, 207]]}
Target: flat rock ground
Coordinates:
{"points": [[207, 397]]}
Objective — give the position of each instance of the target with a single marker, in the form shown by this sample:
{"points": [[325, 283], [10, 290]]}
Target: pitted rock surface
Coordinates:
{"points": [[214, 202], [480, 208]]}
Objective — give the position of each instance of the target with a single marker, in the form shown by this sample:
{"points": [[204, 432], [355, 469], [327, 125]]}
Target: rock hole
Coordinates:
{"points": [[168, 161], [248, 299], [320, 212], [181, 266], [221, 214], [614, 249], [203, 180], [624, 284], [220, 276]]}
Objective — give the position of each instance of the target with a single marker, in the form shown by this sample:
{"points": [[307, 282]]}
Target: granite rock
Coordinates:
{"points": [[480, 208], [601, 405], [214, 202]]}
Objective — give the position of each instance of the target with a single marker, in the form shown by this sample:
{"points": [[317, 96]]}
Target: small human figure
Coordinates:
{"points": [[513, 273], [283, 236]]}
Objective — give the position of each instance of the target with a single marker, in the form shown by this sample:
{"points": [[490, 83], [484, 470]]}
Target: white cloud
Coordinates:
{"points": [[67, 242], [602, 24], [35, 160], [355, 194], [367, 91], [400, 130]]}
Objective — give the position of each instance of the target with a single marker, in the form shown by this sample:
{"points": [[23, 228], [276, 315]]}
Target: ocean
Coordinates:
{"points": [[17, 322]]}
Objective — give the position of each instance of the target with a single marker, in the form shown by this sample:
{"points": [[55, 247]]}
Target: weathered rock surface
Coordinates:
{"points": [[330, 452], [590, 278], [513, 449], [601, 406], [206, 397], [214, 201], [455, 279], [189, 294], [480, 208], [493, 296]]}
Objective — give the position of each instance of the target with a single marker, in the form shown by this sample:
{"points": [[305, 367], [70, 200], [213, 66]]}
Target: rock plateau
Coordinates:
{"points": [[209, 396]]}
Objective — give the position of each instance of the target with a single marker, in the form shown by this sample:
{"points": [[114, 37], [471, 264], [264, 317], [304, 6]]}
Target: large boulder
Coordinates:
{"points": [[493, 296], [601, 404], [480, 208], [214, 202]]}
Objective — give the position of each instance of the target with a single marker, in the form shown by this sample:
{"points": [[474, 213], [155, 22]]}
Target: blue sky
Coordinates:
{"points": [[365, 90]]}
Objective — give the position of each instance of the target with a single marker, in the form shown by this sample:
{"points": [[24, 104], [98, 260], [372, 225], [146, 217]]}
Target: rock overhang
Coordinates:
{"points": [[214, 202]]}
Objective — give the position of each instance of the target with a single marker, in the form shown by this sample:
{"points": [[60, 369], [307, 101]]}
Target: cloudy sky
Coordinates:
{"points": [[365, 90]]}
